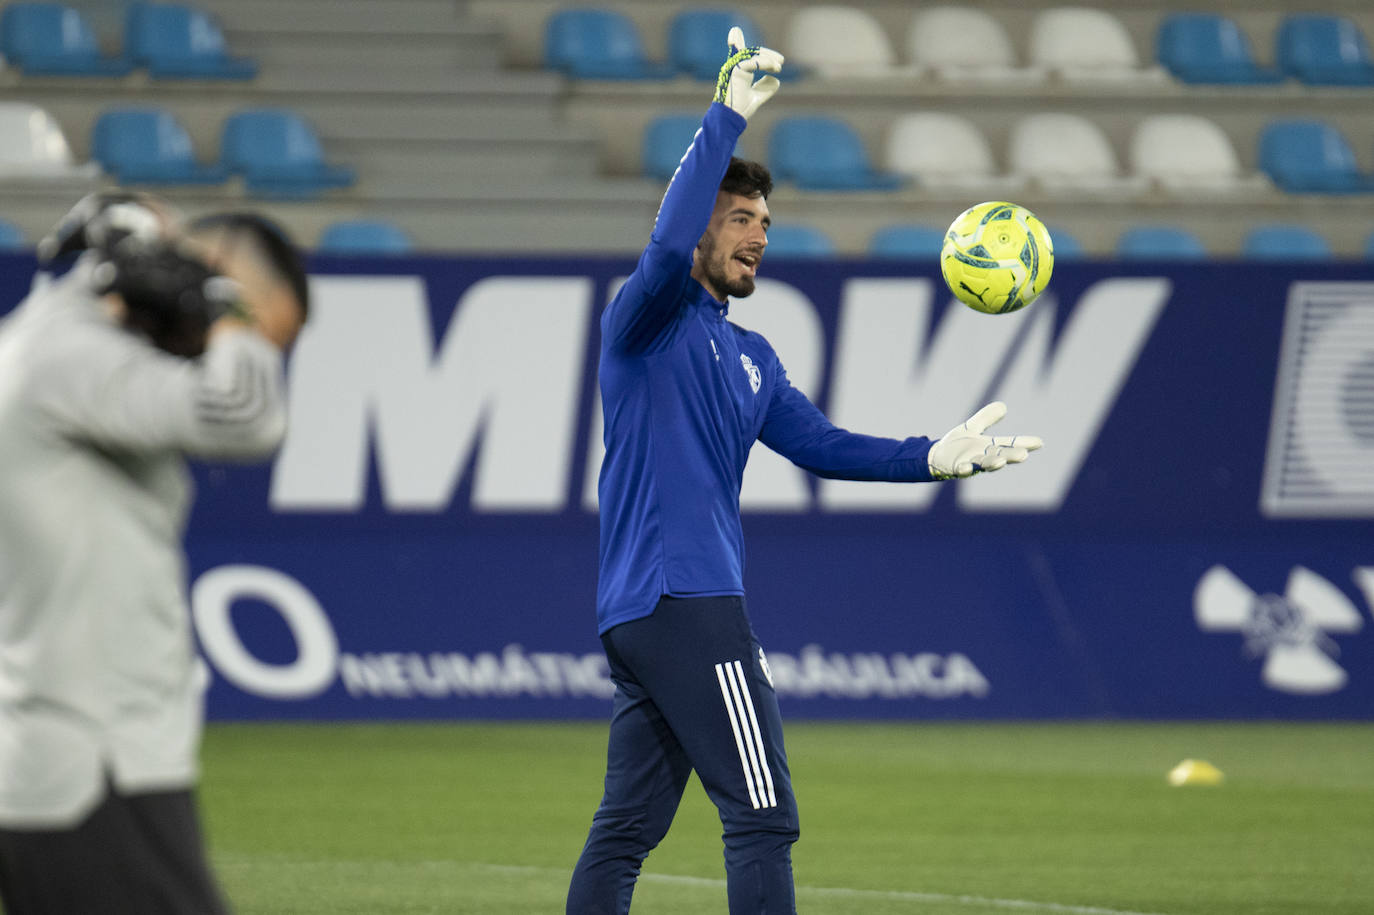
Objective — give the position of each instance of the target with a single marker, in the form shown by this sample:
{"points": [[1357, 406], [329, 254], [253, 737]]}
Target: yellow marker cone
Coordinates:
{"points": [[1195, 772]]}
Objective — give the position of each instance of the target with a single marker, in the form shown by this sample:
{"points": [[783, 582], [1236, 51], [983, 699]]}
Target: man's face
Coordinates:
{"points": [[728, 255]]}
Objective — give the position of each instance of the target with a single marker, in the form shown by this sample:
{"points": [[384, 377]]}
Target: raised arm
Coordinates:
{"points": [[115, 391], [172, 336], [647, 303]]}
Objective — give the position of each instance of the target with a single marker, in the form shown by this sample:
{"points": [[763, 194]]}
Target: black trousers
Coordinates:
{"points": [[136, 854]]}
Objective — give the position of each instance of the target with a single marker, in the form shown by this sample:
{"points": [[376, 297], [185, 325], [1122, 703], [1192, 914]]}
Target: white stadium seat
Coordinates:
{"points": [[839, 41], [1188, 153], [1086, 45], [944, 150], [959, 43], [32, 145], [1061, 151]]}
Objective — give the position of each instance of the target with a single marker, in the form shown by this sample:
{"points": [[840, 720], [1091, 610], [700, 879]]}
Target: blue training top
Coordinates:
{"points": [[685, 393]]}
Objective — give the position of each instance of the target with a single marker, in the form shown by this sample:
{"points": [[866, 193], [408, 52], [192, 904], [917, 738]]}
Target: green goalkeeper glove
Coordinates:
{"points": [[965, 450], [736, 86]]}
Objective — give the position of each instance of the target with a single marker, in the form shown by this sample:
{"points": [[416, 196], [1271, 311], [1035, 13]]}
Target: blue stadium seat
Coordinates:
{"points": [[665, 142], [1160, 243], [1208, 48], [148, 146], [175, 41], [278, 154], [696, 40], [1285, 242], [821, 153], [12, 237], [1067, 247], [364, 236], [1306, 156], [1323, 51], [598, 44], [907, 241], [793, 240], [53, 39]]}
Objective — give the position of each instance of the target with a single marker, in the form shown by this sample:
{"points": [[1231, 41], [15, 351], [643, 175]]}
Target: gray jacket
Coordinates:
{"points": [[98, 676]]}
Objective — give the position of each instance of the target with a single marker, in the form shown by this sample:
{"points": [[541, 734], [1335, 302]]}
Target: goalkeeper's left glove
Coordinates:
{"points": [[736, 86], [965, 450]]}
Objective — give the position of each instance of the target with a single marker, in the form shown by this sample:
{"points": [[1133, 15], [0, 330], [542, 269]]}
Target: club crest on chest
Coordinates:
{"points": [[755, 376]]}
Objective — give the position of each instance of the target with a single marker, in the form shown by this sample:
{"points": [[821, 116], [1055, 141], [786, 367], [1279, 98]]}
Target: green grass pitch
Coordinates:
{"points": [[937, 819]]}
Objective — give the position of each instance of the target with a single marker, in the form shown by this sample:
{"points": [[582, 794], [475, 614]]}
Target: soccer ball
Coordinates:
{"points": [[997, 257]]}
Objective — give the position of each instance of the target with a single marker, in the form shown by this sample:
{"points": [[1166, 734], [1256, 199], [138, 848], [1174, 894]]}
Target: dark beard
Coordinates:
{"points": [[715, 273], [738, 289]]}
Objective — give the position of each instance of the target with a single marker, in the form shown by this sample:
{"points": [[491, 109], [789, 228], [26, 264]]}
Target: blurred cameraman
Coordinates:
{"points": [[161, 342]]}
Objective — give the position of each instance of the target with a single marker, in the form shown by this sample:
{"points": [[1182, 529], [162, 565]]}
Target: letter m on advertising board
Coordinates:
{"points": [[503, 385]]}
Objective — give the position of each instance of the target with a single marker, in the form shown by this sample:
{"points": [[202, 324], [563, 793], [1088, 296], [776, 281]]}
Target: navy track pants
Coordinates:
{"points": [[692, 693]]}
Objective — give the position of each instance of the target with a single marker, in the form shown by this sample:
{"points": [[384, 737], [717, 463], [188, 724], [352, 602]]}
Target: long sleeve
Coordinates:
{"points": [[650, 299], [797, 430], [106, 386]]}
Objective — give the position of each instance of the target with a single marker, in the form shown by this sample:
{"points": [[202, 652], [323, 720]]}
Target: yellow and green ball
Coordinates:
{"points": [[997, 257]]}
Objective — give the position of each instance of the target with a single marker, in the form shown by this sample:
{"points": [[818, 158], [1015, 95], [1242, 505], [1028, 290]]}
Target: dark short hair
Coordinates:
{"points": [[271, 241], [748, 179]]}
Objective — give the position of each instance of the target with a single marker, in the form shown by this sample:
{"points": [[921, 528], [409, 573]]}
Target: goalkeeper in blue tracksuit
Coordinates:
{"points": [[685, 394]]}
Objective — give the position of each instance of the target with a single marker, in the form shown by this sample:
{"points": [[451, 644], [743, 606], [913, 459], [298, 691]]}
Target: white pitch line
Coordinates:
{"points": [[1023, 905], [987, 902]]}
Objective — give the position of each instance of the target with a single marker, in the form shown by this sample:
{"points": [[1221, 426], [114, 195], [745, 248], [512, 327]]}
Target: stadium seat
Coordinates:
{"points": [[1187, 154], [12, 237], [944, 151], [1063, 151], [838, 41], [665, 143], [54, 39], [1160, 243], [599, 44], [1285, 242], [964, 44], [1209, 48], [1323, 51], [821, 153], [175, 41], [793, 240], [907, 242], [1067, 247], [696, 40], [364, 236], [1086, 45], [278, 154], [32, 145], [1313, 157], [149, 146]]}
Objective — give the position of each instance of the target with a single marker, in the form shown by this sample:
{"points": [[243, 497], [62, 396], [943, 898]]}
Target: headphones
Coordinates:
{"points": [[172, 297]]}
